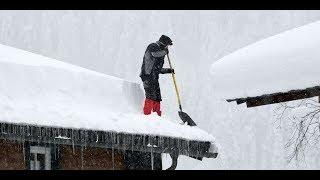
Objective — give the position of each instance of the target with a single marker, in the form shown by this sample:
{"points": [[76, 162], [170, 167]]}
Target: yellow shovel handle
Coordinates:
{"points": [[175, 83]]}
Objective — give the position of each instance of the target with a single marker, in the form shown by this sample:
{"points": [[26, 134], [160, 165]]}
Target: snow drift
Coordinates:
{"points": [[284, 62], [38, 90]]}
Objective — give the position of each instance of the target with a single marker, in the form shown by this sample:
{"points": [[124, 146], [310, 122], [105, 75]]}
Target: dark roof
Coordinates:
{"points": [[120, 141], [278, 97]]}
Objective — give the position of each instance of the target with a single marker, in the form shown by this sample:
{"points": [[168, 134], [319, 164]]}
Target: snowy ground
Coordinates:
{"points": [[113, 42]]}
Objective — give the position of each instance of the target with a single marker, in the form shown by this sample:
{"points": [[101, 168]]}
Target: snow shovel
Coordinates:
{"points": [[183, 116]]}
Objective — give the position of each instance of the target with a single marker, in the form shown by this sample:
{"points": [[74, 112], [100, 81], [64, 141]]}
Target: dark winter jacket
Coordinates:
{"points": [[152, 66], [153, 62]]}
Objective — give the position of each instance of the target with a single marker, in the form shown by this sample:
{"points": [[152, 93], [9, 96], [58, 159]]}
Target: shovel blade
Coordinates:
{"points": [[186, 118]]}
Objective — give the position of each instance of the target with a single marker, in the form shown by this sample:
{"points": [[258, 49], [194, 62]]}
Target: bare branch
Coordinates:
{"points": [[305, 127]]}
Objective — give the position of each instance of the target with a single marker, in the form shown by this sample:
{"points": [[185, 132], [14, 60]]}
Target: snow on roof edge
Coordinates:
{"points": [[270, 65]]}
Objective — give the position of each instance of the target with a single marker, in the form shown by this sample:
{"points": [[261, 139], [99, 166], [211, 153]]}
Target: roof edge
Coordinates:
{"points": [[279, 97], [121, 141]]}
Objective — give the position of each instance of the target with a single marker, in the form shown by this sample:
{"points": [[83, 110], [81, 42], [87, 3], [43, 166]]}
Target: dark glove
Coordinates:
{"points": [[167, 71], [171, 71]]}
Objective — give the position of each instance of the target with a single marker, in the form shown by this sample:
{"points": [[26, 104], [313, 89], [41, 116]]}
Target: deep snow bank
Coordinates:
{"points": [[43, 91], [287, 61]]}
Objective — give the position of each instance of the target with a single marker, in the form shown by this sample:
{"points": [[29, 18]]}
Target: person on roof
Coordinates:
{"points": [[152, 66]]}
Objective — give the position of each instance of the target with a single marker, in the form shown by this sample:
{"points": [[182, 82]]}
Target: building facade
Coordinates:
{"points": [[30, 147]]}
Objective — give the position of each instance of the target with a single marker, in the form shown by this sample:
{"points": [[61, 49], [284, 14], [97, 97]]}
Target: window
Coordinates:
{"points": [[40, 158]]}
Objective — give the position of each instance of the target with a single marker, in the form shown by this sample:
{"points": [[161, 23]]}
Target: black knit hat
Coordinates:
{"points": [[165, 40]]}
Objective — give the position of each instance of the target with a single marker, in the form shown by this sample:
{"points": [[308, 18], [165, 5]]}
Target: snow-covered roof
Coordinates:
{"points": [[41, 91], [284, 62]]}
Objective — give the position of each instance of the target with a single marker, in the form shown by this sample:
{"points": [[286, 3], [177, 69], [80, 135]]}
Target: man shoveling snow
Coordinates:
{"points": [[152, 66]]}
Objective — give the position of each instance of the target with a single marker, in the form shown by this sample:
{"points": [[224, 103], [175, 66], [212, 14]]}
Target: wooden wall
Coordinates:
{"points": [[89, 159], [11, 155]]}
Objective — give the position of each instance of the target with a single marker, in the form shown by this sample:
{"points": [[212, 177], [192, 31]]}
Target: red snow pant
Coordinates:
{"points": [[151, 106]]}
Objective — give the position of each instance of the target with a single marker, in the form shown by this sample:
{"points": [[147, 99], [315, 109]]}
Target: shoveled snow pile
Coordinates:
{"points": [[41, 91], [284, 62]]}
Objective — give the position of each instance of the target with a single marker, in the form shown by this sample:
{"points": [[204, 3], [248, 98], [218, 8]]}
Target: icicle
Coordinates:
{"points": [[28, 129], [151, 159], [73, 151], [31, 131], [57, 133], [58, 151], [55, 151], [97, 137], [81, 157], [117, 139], [112, 139], [50, 134], [112, 150], [112, 157], [132, 143], [38, 135], [67, 133], [82, 136], [24, 153], [8, 129], [188, 142], [61, 133], [72, 140], [64, 133], [198, 150], [124, 143], [46, 134], [86, 138], [151, 153], [53, 135], [18, 133]]}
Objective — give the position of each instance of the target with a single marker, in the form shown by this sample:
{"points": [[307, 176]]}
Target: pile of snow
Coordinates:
{"points": [[284, 62], [41, 91]]}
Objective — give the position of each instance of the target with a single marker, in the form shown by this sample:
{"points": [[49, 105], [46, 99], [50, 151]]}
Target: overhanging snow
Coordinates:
{"points": [[284, 62], [41, 91]]}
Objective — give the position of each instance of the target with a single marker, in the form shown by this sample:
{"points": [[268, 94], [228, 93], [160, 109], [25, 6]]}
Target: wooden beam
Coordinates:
{"points": [[279, 97]]}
